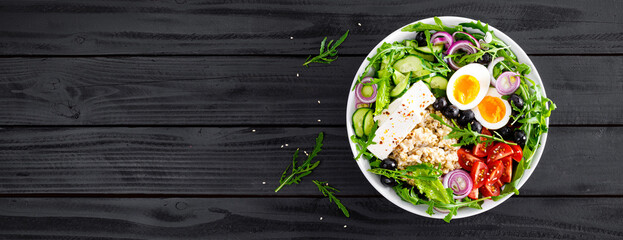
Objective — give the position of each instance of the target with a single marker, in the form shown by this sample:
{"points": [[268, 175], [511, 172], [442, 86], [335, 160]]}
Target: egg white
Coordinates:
{"points": [[493, 126], [477, 71]]}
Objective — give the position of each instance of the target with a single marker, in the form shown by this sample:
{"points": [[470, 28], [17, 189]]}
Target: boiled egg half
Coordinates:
{"points": [[492, 112], [468, 86]]}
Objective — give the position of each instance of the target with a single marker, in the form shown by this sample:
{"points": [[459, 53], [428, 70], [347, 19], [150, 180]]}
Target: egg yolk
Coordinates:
{"points": [[492, 109], [466, 89]]}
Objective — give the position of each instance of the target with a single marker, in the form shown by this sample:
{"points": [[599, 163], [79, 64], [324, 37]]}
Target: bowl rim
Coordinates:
{"points": [[387, 192]]}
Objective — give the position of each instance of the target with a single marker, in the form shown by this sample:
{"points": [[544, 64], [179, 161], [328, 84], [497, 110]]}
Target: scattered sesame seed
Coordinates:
{"points": [[291, 38], [264, 183], [359, 24], [297, 75], [345, 226], [318, 101], [286, 144], [318, 120], [253, 130], [320, 218], [281, 146], [305, 153]]}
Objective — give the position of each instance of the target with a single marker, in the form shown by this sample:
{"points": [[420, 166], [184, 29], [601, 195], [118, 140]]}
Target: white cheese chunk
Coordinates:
{"points": [[407, 113]]}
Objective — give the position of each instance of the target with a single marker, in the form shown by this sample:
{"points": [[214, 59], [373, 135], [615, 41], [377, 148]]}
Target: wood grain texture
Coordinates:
{"points": [[236, 161], [264, 27], [299, 218], [248, 90]]}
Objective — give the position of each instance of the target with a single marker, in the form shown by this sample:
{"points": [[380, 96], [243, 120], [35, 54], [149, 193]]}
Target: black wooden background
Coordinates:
{"points": [[166, 120]]}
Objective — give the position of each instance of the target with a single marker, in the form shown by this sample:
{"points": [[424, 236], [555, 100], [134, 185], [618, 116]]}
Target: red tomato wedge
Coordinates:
{"points": [[466, 159], [480, 150], [495, 172], [507, 173], [499, 184], [517, 153], [479, 173], [498, 151], [490, 190], [473, 194]]}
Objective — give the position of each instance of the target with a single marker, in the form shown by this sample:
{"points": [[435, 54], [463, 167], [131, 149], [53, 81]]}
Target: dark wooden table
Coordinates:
{"points": [[166, 120]]}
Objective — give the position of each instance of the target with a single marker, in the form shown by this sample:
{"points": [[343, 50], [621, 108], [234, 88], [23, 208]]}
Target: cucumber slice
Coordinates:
{"points": [[424, 56], [425, 78], [408, 64], [358, 118], [438, 82], [399, 77], [420, 73], [400, 88], [368, 123], [425, 49]]}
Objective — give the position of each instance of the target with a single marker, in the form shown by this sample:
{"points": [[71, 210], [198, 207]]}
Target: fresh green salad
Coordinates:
{"points": [[480, 91]]}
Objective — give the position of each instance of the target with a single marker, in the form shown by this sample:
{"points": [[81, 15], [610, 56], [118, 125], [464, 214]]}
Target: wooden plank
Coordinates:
{"points": [[241, 27], [238, 161], [247, 90], [308, 218]]}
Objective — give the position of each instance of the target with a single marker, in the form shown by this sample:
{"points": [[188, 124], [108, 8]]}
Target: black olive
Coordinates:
{"points": [[440, 103], [388, 163], [485, 59], [506, 132], [465, 116], [420, 38], [516, 100], [519, 137], [390, 182], [476, 126], [451, 112]]}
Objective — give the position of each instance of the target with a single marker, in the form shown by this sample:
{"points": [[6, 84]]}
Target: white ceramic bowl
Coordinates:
{"points": [[364, 164]]}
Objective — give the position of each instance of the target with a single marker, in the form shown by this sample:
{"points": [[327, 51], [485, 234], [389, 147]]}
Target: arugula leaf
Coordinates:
{"points": [[296, 173], [476, 25], [466, 136], [440, 27], [416, 172], [328, 52], [328, 191], [362, 145]]}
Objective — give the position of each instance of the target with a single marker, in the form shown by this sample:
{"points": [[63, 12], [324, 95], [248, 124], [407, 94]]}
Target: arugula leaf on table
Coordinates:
{"points": [[328, 51], [328, 191], [298, 172]]}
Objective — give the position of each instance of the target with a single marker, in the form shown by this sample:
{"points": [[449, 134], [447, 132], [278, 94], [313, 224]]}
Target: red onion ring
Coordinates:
{"points": [[443, 40], [473, 39], [456, 46], [460, 182], [359, 96], [444, 37], [491, 66], [507, 83]]}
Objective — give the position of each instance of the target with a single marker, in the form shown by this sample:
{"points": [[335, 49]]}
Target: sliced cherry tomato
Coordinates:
{"points": [[467, 159], [473, 194], [480, 150], [495, 172], [507, 173], [517, 152], [490, 190], [499, 184], [498, 151], [479, 173]]}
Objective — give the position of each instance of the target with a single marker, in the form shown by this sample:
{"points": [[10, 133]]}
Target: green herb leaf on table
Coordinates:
{"points": [[328, 191], [328, 51], [306, 168]]}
